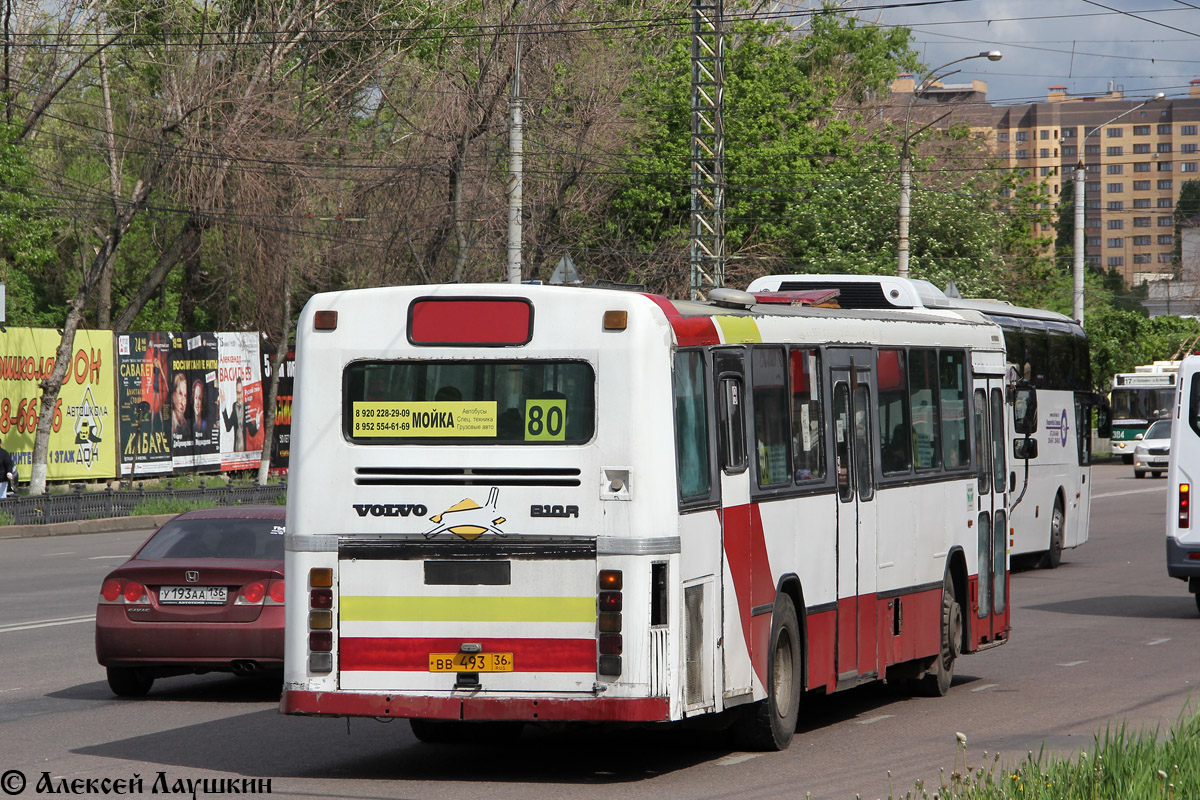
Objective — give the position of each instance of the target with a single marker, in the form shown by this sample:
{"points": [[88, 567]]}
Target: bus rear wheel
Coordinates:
{"points": [[770, 724], [937, 679], [449, 731]]}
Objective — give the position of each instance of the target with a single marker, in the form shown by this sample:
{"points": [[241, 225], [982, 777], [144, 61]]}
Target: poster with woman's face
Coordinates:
{"points": [[195, 436], [144, 402]]}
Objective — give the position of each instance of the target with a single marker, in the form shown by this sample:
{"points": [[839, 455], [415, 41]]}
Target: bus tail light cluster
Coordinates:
{"points": [[123, 591], [610, 601], [320, 619], [1185, 505]]}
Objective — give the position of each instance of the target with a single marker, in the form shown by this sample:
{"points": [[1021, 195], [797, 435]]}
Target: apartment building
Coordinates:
{"points": [[1134, 166]]}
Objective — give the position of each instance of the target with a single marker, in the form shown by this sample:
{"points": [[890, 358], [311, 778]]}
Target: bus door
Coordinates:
{"points": [[989, 601], [857, 647], [736, 531]]}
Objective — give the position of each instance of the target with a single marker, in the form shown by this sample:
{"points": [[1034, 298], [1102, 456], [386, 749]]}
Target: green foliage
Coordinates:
{"points": [[165, 506], [1132, 765], [1121, 340], [27, 226]]}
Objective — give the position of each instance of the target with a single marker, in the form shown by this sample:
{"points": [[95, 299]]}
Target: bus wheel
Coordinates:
{"points": [[436, 731], [769, 724], [129, 681], [1053, 556], [940, 674], [447, 731]]}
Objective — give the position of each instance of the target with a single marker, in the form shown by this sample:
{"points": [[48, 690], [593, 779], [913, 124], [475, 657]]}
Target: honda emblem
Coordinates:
{"points": [[191, 576]]}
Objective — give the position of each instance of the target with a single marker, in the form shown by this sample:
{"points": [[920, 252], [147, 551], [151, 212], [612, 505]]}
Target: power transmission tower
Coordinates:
{"points": [[708, 147]]}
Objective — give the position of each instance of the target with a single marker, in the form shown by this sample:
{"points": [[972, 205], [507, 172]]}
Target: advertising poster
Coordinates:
{"points": [[143, 402], [194, 425], [83, 436], [282, 444], [240, 400]]}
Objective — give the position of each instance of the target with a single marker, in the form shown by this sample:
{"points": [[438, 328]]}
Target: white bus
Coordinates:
{"points": [[1047, 350], [522, 504], [1139, 398], [1183, 479]]}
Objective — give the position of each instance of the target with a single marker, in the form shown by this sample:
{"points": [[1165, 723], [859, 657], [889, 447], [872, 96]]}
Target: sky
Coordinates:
{"points": [[1140, 46]]}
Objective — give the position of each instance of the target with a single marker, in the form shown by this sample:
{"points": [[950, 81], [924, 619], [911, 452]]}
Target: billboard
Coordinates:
{"points": [[240, 400], [282, 441], [195, 432], [143, 402], [83, 435]]}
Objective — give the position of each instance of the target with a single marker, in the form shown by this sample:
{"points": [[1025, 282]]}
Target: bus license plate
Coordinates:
{"points": [[470, 662]]}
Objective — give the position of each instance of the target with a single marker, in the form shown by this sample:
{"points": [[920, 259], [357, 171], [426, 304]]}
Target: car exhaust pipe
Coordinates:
{"points": [[245, 668]]}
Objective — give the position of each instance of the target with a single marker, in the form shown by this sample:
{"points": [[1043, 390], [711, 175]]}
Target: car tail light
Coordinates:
{"points": [[1185, 505], [111, 592], [135, 592], [252, 594], [609, 603], [275, 595]]}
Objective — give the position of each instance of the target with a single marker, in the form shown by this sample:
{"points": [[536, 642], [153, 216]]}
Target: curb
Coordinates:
{"points": [[108, 525]]}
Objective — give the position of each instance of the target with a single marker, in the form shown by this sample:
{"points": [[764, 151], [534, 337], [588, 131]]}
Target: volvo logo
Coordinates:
{"points": [[191, 576]]}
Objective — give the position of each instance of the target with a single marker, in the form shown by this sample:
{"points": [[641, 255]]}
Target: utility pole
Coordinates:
{"points": [[708, 148]]}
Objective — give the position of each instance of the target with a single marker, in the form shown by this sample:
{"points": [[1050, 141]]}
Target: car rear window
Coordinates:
{"points": [[217, 538]]}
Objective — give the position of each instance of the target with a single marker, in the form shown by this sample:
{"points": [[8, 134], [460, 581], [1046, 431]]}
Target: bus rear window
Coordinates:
{"points": [[469, 402]]}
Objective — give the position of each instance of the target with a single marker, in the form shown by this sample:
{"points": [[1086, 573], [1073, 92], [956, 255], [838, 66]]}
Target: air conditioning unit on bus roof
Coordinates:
{"points": [[860, 291]]}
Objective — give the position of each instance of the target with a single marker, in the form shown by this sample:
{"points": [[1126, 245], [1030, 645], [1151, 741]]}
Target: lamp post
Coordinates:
{"points": [[1078, 189], [905, 162]]}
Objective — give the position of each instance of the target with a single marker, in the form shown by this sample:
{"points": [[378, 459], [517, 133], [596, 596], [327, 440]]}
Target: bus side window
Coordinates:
{"points": [[983, 447], [808, 429], [1194, 404], [956, 447], [895, 431], [691, 426], [768, 375], [733, 426]]}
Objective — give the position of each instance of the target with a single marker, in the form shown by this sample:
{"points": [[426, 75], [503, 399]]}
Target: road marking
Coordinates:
{"points": [[736, 758], [985, 687], [1129, 491], [1158, 641], [1073, 663], [47, 555], [101, 558], [44, 623], [873, 720]]}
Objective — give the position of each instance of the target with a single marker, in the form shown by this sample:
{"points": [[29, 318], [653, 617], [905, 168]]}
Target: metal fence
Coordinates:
{"points": [[80, 504]]}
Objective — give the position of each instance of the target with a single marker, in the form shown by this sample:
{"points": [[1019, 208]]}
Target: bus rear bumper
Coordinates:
{"points": [[528, 709], [1183, 561]]}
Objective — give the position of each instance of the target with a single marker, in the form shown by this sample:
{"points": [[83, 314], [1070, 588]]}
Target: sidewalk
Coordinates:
{"points": [[109, 525]]}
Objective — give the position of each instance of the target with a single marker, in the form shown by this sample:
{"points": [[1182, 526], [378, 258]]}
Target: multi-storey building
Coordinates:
{"points": [[1134, 166]]}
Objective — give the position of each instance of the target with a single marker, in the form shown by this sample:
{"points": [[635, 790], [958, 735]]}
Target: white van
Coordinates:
{"points": [[1183, 474]]}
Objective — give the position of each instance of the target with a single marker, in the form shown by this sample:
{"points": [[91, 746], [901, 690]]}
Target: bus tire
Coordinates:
{"points": [[937, 679], [1058, 521], [449, 731], [129, 681], [770, 724]]}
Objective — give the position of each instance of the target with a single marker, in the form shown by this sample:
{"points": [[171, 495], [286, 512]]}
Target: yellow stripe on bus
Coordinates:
{"points": [[739, 330], [467, 609]]}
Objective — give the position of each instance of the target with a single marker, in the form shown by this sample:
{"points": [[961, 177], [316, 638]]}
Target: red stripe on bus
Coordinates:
{"points": [[689, 331], [750, 568], [412, 654]]}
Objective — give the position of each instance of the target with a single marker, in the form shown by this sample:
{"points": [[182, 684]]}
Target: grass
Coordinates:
{"points": [[1122, 765], [165, 506]]}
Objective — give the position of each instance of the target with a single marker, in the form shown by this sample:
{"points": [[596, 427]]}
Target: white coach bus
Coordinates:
{"points": [[1047, 350], [1183, 475], [521, 504]]}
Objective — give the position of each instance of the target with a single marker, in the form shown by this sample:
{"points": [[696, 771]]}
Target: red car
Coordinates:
{"points": [[203, 594]]}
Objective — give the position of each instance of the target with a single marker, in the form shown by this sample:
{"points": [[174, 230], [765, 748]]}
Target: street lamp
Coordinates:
{"points": [[906, 164], [1078, 188]]}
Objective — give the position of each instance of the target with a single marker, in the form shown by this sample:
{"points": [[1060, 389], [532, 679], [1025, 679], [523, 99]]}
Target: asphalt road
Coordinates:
{"points": [[1105, 640]]}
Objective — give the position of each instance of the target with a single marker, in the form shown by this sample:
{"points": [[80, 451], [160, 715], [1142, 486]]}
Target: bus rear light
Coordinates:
{"points": [[610, 622], [320, 598], [320, 578], [610, 644], [609, 665], [611, 579], [320, 620], [325, 320], [1185, 505], [252, 594], [320, 641], [610, 601], [320, 662], [134, 592]]}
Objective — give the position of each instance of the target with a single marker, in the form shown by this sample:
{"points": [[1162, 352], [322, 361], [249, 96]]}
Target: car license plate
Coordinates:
{"points": [[470, 662], [192, 595]]}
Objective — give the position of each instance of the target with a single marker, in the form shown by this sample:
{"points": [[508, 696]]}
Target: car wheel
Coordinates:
{"points": [[1137, 473], [940, 675], [1053, 556], [129, 681], [1155, 473], [769, 724], [1127, 459]]}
